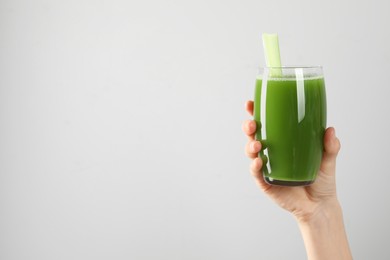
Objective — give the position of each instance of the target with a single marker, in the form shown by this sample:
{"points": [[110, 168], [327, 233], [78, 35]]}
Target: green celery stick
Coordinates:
{"points": [[272, 54]]}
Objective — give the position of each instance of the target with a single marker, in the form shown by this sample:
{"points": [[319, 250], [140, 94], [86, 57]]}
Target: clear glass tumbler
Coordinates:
{"points": [[290, 112]]}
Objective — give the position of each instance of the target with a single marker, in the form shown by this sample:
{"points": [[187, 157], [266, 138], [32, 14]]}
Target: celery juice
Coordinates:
{"points": [[290, 113]]}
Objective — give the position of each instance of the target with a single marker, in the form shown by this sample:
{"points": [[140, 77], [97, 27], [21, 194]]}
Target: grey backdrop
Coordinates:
{"points": [[120, 126]]}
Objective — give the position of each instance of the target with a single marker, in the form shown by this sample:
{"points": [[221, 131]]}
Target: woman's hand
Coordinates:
{"points": [[303, 202]]}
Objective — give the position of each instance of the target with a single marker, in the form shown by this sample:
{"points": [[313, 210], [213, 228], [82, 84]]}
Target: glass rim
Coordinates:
{"points": [[294, 67], [291, 71]]}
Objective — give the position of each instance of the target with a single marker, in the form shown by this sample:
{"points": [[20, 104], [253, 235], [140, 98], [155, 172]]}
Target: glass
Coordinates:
{"points": [[290, 113]]}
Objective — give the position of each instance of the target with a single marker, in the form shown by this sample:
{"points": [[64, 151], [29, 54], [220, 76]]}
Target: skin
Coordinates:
{"points": [[316, 207]]}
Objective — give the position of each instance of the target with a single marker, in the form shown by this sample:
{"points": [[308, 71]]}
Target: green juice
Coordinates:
{"points": [[291, 120]]}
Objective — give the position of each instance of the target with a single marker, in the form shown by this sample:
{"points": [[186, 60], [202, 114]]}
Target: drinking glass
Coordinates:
{"points": [[290, 113]]}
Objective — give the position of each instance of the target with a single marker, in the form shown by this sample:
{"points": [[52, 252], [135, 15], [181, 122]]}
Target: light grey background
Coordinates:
{"points": [[120, 126]]}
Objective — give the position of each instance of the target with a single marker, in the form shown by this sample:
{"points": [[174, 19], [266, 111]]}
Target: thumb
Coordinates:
{"points": [[331, 149]]}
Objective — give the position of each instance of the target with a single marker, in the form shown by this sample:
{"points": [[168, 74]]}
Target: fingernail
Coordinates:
{"points": [[252, 125], [255, 146]]}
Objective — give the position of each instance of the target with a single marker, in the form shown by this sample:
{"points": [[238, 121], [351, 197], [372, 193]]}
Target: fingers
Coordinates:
{"points": [[252, 148], [331, 149], [249, 107], [249, 126]]}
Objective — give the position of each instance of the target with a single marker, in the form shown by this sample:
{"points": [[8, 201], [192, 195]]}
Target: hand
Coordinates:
{"points": [[303, 202]]}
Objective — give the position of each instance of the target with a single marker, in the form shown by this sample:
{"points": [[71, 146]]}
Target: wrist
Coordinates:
{"points": [[320, 213]]}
